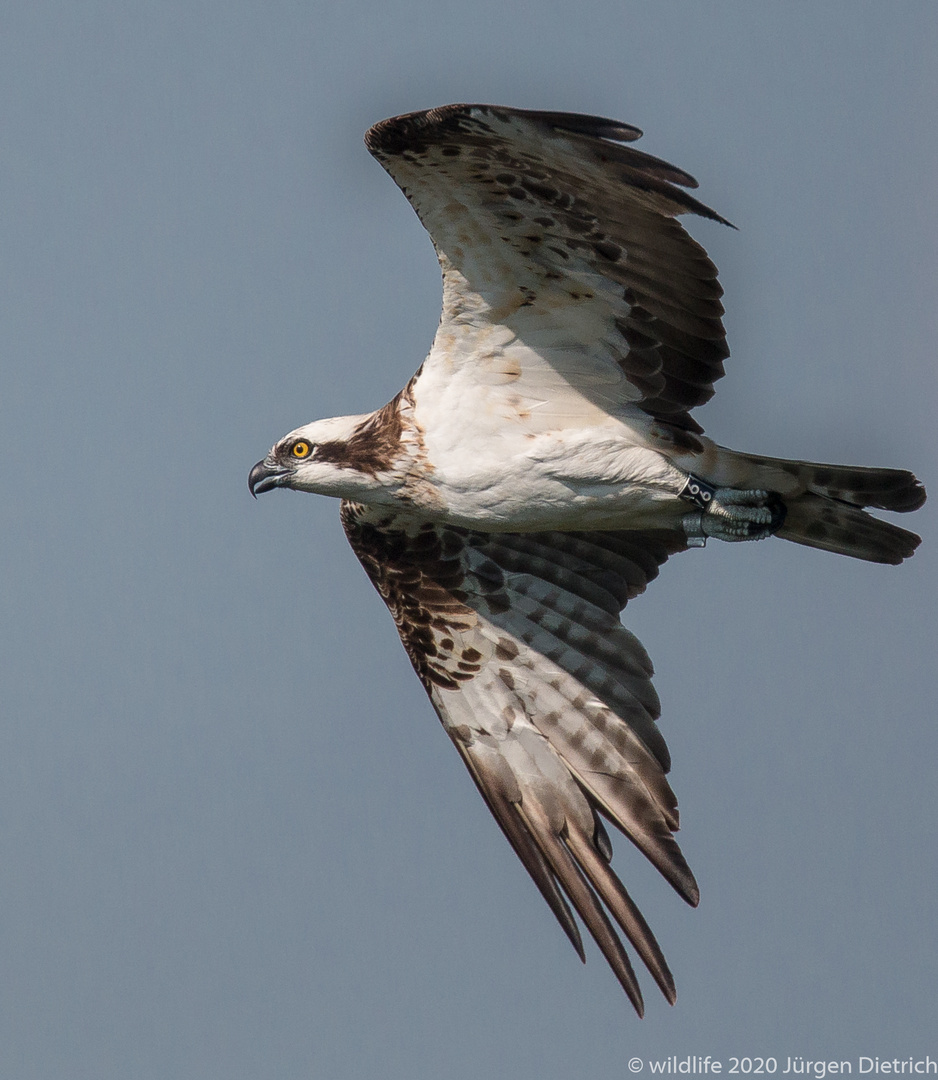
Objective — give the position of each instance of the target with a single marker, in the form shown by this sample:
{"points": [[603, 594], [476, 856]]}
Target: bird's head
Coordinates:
{"points": [[318, 457]]}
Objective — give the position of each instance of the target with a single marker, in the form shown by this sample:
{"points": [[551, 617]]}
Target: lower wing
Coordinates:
{"points": [[548, 699]]}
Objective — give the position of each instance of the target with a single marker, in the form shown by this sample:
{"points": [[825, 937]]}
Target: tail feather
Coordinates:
{"points": [[820, 522], [883, 489], [825, 503]]}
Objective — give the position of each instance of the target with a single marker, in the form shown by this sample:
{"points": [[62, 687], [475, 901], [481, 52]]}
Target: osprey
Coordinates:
{"points": [[539, 468]]}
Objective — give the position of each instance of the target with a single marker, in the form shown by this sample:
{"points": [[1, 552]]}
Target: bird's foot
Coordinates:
{"points": [[731, 514]]}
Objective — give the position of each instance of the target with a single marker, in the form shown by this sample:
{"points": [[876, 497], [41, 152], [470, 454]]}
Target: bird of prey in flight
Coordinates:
{"points": [[539, 468]]}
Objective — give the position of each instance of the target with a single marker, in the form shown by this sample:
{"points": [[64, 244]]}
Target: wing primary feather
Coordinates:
{"points": [[587, 904], [623, 908], [599, 127], [643, 825], [601, 839], [505, 813], [582, 870]]}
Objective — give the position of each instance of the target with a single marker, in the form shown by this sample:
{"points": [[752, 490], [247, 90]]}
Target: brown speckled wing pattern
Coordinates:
{"points": [[583, 227], [548, 698]]}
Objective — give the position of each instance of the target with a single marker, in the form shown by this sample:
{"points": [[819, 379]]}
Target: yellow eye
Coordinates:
{"points": [[301, 449]]}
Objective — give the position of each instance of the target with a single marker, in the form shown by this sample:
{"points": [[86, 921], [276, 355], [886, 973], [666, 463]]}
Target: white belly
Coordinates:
{"points": [[578, 478]]}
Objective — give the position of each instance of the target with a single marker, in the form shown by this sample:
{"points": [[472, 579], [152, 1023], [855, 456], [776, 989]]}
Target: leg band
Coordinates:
{"points": [[698, 492], [693, 529]]}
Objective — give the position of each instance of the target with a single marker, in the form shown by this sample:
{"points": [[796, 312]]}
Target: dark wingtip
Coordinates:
{"points": [[685, 884], [396, 132]]}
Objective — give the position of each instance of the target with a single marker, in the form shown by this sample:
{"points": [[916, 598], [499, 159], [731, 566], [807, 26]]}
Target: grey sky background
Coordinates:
{"points": [[235, 841]]}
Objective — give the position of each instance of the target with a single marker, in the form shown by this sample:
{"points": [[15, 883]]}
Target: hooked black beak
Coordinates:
{"points": [[264, 477]]}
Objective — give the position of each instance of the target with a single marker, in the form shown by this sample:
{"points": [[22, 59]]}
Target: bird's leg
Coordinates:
{"points": [[731, 514]]}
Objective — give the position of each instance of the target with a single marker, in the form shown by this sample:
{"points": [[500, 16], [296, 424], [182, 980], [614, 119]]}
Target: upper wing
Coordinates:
{"points": [[560, 249], [548, 698]]}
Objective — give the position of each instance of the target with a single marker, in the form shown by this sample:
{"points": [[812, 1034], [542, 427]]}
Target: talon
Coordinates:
{"points": [[732, 514]]}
